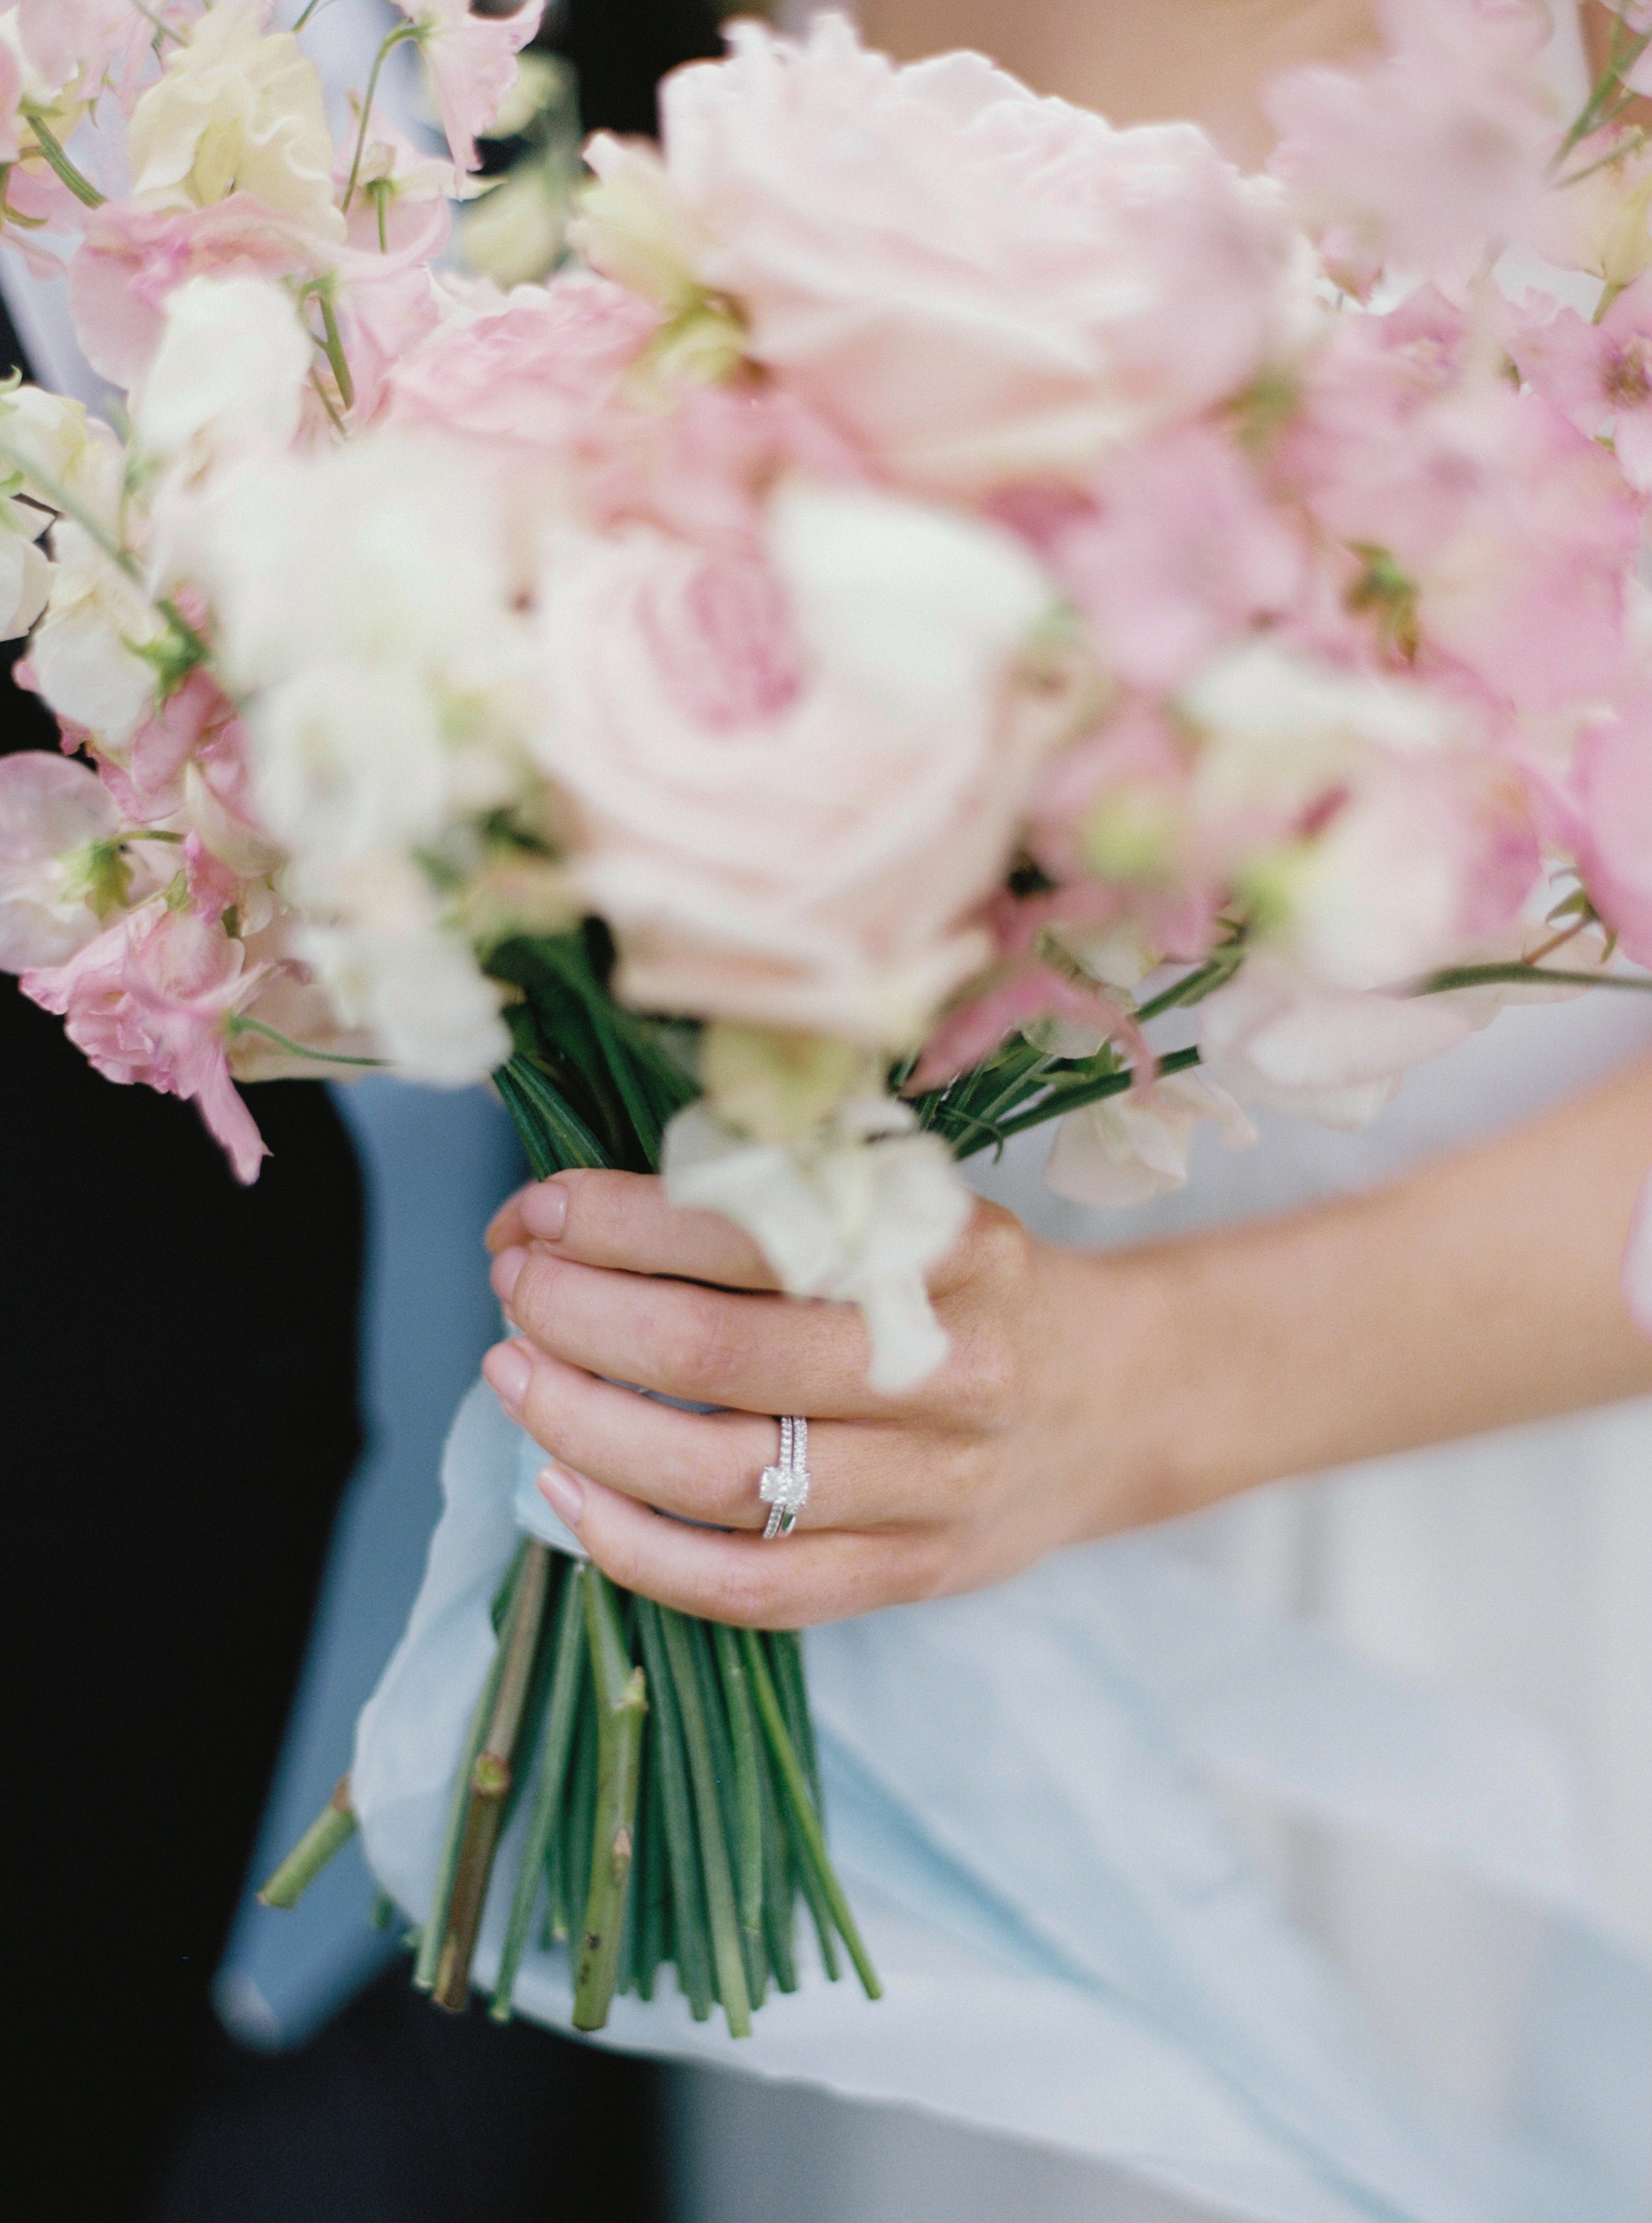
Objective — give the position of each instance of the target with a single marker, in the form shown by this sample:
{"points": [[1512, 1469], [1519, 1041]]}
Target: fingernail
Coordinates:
{"points": [[563, 1493], [544, 1211], [509, 1369], [505, 1272]]}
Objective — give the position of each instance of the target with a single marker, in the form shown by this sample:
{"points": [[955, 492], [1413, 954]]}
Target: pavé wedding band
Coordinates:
{"points": [[784, 1486]]}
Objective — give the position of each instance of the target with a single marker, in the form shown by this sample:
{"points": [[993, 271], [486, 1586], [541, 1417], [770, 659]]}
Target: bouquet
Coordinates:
{"points": [[937, 587]]}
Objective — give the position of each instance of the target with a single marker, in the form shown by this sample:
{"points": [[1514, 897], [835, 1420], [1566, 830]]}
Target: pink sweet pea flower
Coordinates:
{"points": [[68, 39], [1600, 374], [1612, 790], [148, 1000], [472, 63], [1433, 156], [52, 813], [133, 258], [1181, 553]]}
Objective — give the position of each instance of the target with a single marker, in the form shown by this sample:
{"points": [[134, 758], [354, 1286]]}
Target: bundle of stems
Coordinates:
{"points": [[668, 1764]]}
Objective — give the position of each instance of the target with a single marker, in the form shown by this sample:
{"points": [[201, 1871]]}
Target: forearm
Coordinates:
{"points": [[1480, 1292]]}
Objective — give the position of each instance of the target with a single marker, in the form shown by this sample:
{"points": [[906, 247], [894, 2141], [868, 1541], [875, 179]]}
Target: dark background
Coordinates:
{"points": [[178, 1395]]}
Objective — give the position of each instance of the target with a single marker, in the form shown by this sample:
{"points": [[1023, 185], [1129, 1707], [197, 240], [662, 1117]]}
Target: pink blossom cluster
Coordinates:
{"points": [[937, 563]]}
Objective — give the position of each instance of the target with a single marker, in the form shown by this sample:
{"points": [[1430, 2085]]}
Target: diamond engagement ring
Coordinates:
{"points": [[784, 1486]]}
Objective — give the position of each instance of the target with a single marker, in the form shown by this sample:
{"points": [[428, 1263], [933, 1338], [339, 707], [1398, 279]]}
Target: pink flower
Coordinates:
{"points": [[133, 258], [1279, 1042], [148, 1000], [67, 40], [472, 63], [774, 838], [1600, 374], [979, 285], [1179, 555], [533, 369], [1435, 155], [1505, 539], [51, 814], [1612, 789]]}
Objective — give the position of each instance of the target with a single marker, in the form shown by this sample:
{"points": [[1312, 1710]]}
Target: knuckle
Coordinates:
{"points": [[743, 1597], [989, 1382], [699, 1344], [1001, 1250]]}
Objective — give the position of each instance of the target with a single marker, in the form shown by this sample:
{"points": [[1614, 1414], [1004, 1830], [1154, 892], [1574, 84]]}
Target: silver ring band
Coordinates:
{"points": [[784, 1486]]}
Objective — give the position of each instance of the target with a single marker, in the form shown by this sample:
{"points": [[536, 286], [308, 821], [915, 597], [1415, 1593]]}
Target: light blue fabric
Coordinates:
{"points": [[436, 1163], [1021, 1788]]}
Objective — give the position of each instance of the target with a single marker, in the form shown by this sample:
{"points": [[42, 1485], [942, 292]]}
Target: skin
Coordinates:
{"points": [[1082, 1395]]}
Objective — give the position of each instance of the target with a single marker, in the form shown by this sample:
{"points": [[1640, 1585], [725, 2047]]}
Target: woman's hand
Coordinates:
{"points": [[1005, 1454]]}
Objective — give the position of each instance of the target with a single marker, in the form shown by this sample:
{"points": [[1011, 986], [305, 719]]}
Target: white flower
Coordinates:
{"points": [[229, 370], [84, 651], [54, 444], [52, 813], [917, 608], [415, 986], [1284, 1043], [237, 111], [1132, 1147], [25, 574], [348, 760], [858, 1212]]}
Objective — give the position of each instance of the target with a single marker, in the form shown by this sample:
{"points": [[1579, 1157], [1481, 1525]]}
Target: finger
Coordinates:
{"points": [[759, 1354], [625, 1221], [708, 1466], [792, 1583]]}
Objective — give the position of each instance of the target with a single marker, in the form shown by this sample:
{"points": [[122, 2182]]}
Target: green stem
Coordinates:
{"points": [[748, 1801], [728, 1954], [676, 1810], [396, 38], [490, 1780], [239, 1023], [332, 347], [556, 1748], [331, 1831], [51, 147], [622, 1706], [785, 1664], [804, 1820], [1486, 976]]}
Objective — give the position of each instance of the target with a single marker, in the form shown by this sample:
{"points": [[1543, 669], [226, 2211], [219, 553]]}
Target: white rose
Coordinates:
{"points": [[235, 111], [860, 1212]]}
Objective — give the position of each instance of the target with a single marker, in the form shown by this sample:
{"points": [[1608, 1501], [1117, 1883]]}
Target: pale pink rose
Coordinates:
{"points": [[133, 258], [771, 841], [1181, 553], [1599, 374], [706, 466], [149, 1001], [1433, 156], [1637, 1264], [472, 63], [534, 368], [1279, 1042], [51, 811], [1612, 792], [979, 285]]}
